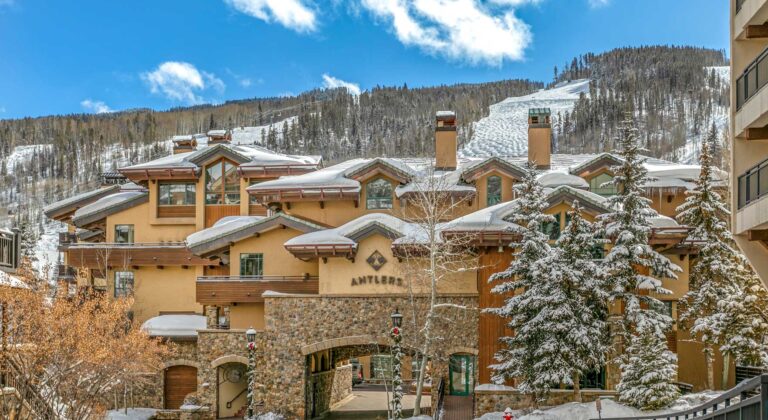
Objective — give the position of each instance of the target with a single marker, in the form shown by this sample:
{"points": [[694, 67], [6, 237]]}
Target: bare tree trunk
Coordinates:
{"points": [[709, 360], [726, 367], [576, 388]]}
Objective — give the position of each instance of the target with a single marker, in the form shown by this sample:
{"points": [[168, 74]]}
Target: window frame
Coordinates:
{"points": [[498, 195], [377, 201], [596, 188], [553, 234], [259, 264], [226, 190], [126, 283], [187, 192], [131, 233]]}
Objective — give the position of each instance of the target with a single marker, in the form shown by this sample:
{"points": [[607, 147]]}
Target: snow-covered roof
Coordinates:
{"points": [[235, 228], [9, 280], [555, 179], [492, 218], [108, 205], [217, 133], [182, 326], [78, 200], [353, 231]]}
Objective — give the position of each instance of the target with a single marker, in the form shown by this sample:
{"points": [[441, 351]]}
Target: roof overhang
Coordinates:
{"points": [[64, 209], [604, 160], [170, 173], [274, 171], [325, 193], [489, 165], [378, 167], [91, 218]]}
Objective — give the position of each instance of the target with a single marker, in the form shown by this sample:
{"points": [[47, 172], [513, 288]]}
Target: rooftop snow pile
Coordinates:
{"points": [[347, 233], [109, 204], [174, 325], [556, 179], [221, 228]]}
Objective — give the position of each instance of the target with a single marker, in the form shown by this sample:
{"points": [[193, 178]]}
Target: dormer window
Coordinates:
{"points": [[493, 190], [596, 185], [378, 194], [222, 184]]}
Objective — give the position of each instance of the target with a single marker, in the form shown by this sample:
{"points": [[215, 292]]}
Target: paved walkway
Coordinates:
{"points": [[457, 408], [370, 402]]}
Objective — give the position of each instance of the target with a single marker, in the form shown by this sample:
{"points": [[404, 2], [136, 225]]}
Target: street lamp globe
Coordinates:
{"points": [[397, 319], [250, 335]]}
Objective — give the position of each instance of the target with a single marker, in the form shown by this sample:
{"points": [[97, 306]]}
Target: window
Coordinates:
{"points": [[378, 194], [251, 264], [597, 185], [493, 191], [381, 366], [124, 234], [552, 229], [123, 283], [222, 184], [177, 194]]}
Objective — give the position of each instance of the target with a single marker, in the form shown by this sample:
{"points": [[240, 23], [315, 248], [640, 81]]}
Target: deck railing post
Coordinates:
{"points": [[764, 397]]}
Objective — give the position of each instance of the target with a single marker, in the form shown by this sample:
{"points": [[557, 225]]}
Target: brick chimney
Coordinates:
{"points": [[540, 137], [445, 140]]}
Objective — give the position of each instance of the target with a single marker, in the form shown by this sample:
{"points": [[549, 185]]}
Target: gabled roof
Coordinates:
{"points": [[597, 162], [477, 170], [391, 168], [236, 228], [202, 156], [68, 205], [107, 206], [594, 203]]}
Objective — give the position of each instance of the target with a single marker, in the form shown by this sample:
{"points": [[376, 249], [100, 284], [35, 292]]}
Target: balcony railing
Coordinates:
{"points": [[101, 255], [219, 290], [9, 250], [754, 77], [753, 184]]}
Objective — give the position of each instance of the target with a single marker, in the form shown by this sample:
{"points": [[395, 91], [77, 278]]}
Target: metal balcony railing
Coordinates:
{"points": [[746, 401], [753, 184], [754, 77], [10, 250], [254, 278]]}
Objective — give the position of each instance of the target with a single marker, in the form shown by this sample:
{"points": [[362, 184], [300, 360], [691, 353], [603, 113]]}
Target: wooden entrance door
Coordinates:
{"points": [[179, 382], [492, 327]]}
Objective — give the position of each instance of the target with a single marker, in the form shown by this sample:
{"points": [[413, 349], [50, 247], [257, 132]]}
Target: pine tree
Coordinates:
{"points": [[629, 228], [648, 372], [569, 300], [741, 321], [718, 270], [518, 359]]}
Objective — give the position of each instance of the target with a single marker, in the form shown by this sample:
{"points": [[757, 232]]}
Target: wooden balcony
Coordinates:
{"points": [[103, 255], [224, 290]]}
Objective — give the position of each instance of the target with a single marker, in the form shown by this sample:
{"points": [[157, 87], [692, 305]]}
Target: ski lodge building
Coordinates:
{"points": [[215, 239]]}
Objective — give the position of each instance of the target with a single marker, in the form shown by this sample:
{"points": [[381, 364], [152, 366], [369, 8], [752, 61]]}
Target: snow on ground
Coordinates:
{"points": [[46, 250], [505, 131], [253, 135], [133, 414], [22, 154], [587, 411]]}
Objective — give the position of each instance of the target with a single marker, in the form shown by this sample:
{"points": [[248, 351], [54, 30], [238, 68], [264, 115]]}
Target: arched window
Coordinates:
{"points": [[378, 194], [493, 190], [596, 185], [222, 184]]}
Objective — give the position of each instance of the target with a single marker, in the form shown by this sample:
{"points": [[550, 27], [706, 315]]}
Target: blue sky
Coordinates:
{"points": [[96, 56]]}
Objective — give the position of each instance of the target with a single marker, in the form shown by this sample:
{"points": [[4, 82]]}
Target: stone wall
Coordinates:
{"points": [[497, 400], [299, 325], [342, 384]]}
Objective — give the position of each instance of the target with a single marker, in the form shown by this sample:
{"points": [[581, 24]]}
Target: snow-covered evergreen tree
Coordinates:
{"points": [[628, 226], [719, 269], [569, 303], [648, 371], [519, 359], [741, 321]]}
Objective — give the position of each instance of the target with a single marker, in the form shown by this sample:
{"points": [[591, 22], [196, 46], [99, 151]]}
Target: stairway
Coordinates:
{"points": [[28, 393]]}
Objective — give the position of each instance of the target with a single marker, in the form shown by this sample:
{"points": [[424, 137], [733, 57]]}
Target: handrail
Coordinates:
{"points": [[40, 408], [745, 187], [440, 399], [717, 407], [254, 278]]}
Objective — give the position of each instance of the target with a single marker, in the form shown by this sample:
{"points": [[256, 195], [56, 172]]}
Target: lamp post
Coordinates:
{"points": [[250, 336], [397, 380]]}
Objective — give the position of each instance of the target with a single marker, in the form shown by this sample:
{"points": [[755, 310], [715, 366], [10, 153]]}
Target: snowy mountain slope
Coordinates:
{"points": [[253, 135], [505, 131]]}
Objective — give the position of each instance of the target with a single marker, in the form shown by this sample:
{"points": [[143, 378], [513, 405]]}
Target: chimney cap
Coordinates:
{"points": [[445, 115], [539, 111]]}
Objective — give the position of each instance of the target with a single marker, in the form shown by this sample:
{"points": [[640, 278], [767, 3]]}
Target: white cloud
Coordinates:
{"points": [[598, 3], [293, 14], [330, 82], [461, 30], [97, 107], [180, 81]]}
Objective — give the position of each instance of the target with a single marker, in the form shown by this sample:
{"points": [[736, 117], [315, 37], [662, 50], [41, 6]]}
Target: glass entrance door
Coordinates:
{"points": [[461, 373]]}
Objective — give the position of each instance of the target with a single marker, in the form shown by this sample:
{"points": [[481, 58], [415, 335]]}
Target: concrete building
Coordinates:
{"points": [[212, 241], [749, 125]]}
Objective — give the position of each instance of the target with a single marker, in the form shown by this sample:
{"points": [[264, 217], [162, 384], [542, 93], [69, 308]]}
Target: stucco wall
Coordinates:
{"points": [[143, 230], [277, 261]]}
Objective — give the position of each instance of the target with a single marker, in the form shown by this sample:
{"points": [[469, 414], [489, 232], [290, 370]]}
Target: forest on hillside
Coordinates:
{"points": [[674, 93]]}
